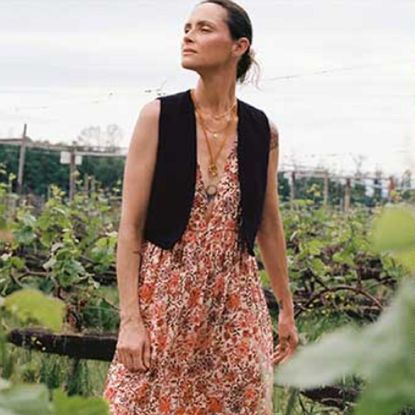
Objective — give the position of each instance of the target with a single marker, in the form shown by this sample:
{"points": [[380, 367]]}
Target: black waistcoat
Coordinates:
{"points": [[174, 179]]}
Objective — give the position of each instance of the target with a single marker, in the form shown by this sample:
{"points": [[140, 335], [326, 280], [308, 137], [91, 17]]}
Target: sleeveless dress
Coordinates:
{"points": [[209, 325]]}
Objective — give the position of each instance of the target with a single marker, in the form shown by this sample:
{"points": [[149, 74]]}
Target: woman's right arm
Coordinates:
{"points": [[133, 342]]}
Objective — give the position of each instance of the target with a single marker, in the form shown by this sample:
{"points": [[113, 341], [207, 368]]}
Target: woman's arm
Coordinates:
{"points": [[138, 175], [270, 235]]}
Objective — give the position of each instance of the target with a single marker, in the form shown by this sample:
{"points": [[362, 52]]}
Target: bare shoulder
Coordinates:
{"points": [[144, 139], [273, 148], [274, 135], [146, 126], [150, 111], [140, 163]]}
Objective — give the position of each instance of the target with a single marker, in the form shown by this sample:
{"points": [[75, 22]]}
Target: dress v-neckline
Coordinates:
{"points": [[225, 167], [209, 205]]}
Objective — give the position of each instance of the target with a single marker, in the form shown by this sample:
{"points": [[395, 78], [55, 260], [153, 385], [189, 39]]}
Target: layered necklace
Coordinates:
{"points": [[229, 116]]}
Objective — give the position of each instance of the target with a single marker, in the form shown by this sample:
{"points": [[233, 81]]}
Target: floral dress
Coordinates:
{"points": [[209, 326]]}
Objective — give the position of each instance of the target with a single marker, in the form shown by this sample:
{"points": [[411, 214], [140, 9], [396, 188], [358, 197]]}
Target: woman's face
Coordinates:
{"points": [[207, 34]]}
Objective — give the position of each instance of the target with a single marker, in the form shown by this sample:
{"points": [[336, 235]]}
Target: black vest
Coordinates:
{"points": [[174, 179]]}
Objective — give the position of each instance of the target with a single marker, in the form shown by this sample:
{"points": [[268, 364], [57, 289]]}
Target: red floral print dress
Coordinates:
{"points": [[207, 317]]}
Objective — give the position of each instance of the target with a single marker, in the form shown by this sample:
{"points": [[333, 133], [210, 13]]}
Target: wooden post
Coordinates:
{"points": [[326, 188], [21, 162], [92, 186], [72, 172], [391, 189], [292, 188], [86, 184], [347, 194]]}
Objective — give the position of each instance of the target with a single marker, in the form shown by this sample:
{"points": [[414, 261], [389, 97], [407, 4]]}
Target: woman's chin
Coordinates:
{"points": [[187, 64]]}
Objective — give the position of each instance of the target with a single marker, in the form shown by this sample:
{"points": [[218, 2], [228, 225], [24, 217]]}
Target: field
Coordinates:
{"points": [[345, 270]]}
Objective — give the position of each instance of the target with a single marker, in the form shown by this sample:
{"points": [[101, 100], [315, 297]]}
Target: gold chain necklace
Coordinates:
{"points": [[200, 112], [213, 168], [216, 117], [212, 189], [215, 134]]}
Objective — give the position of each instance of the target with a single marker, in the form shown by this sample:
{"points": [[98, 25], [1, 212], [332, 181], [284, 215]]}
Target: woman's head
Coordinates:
{"points": [[220, 33]]}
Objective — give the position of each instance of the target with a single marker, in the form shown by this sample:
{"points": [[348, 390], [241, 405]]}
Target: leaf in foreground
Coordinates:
{"points": [[25, 400], [382, 353], [69, 405], [29, 304]]}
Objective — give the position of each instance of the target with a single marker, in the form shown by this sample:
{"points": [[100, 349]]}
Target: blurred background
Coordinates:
{"points": [[337, 76]]}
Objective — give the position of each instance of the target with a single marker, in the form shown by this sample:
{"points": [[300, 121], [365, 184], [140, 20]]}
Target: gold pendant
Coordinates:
{"points": [[213, 170], [211, 190], [215, 135]]}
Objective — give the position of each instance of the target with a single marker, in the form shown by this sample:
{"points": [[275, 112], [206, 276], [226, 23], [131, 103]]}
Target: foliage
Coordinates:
{"points": [[32, 399], [61, 251], [43, 167], [343, 269], [381, 353]]}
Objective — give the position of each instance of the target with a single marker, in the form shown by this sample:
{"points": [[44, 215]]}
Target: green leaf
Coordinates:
{"points": [[323, 362], [25, 399], [406, 258], [78, 405], [30, 304], [314, 247], [376, 402], [4, 383], [318, 266], [394, 228], [389, 361], [18, 262], [343, 257], [394, 231], [49, 263], [383, 353]]}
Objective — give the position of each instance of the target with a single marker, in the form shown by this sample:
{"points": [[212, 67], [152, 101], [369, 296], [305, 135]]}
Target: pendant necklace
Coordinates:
{"points": [[212, 188], [228, 114]]}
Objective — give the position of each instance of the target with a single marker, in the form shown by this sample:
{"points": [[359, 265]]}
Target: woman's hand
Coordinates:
{"points": [[288, 338], [133, 346]]}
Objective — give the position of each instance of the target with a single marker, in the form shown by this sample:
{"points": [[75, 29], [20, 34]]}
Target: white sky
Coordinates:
{"points": [[338, 76]]}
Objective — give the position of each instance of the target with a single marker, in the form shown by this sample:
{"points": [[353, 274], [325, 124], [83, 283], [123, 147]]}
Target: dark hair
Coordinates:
{"points": [[239, 25]]}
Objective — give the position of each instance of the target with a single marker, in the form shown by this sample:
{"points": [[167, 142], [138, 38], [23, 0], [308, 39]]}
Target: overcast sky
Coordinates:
{"points": [[338, 77]]}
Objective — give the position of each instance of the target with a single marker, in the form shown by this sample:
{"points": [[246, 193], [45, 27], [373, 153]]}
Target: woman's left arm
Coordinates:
{"points": [[272, 245]]}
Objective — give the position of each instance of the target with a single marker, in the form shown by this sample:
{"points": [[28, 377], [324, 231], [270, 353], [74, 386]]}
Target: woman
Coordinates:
{"points": [[195, 333]]}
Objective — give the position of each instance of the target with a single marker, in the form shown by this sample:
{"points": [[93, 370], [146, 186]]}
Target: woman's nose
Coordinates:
{"points": [[187, 37]]}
